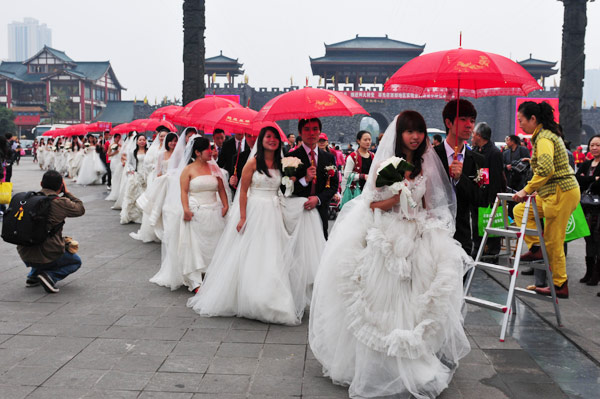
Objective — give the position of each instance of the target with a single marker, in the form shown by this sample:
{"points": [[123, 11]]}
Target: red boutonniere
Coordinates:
{"points": [[483, 177], [330, 173]]}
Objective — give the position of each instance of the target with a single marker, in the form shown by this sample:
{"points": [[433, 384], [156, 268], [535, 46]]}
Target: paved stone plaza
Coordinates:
{"points": [[110, 333]]}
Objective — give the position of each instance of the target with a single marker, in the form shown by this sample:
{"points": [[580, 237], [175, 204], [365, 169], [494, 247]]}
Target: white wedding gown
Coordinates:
{"points": [[134, 187], [191, 245], [265, 272], [91, 169], [386, 311], [151, 203]]}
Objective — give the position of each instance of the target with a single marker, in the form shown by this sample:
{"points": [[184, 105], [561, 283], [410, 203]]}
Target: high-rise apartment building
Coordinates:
{"points": [[26, 38]]}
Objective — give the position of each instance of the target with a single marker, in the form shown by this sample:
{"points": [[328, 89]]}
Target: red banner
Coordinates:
{"points": [[380, 95], [520, 100], [27, 120]]}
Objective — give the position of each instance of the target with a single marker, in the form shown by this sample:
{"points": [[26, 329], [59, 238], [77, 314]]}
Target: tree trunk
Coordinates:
{"points": [[572, 68], [193, 50]]}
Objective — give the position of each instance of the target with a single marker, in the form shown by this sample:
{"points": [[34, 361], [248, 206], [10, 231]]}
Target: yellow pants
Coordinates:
{"points": [[557, 209]]}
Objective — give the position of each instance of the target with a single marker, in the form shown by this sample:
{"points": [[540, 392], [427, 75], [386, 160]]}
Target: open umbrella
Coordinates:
{"points": [[309, 103], [462, 72], [166, 112], [232, 120], [79, 129], [189, 115], [99, 126], [150, 125], [122, 128], [49, 133]]}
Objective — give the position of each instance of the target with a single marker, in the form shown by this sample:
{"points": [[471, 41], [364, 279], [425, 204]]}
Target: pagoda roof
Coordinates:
{"points": [[61, 55], [221, 59], [536, 62], [373, 43], [17, 71], [389, 58]]}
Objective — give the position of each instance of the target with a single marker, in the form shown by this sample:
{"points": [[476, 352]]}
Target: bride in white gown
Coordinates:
{"points": [[136, 182], [256, 271], [386, 310], [92, 168]]}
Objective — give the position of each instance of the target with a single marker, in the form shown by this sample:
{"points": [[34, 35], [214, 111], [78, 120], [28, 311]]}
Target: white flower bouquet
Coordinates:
{"points": [[113, 147], [289, 165]]}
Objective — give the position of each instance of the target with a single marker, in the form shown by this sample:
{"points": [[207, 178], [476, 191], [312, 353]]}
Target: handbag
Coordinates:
{"points": [[588, 199], [5, 193], [350, 192]]}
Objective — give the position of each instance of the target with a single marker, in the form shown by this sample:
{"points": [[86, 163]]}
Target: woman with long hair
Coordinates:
{"points": [[358, 163], [588, 177], [386, 316], [136, 181], [556, 187], [258, 271]]}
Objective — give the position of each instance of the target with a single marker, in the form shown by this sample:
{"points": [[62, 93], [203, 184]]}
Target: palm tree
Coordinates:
{"points": [[572, 68], [193, 50]]}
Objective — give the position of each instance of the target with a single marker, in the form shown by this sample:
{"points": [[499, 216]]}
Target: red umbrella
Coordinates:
{"points": [[233, 120], [75, 130], [190, 114], [122, 128], [99, 126], [49, 133], [145, 125], [309, 103], [462, 72], [166, 112]]}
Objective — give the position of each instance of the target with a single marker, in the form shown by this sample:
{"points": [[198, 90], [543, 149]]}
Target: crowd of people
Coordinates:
{"points": [[243, 224]]}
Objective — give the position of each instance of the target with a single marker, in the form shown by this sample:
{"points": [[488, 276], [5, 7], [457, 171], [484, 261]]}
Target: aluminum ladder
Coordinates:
{"points": [[511, 232]]}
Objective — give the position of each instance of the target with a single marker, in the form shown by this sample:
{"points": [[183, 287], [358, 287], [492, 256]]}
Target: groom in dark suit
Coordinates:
{"points": [[462, 169], [311, 176]]}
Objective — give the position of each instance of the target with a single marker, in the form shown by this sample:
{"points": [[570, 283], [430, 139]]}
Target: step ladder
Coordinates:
{"points": [[518, 233]]}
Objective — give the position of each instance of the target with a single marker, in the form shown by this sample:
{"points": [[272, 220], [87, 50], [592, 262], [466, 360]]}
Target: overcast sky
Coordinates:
{"points": [[274, 38]]}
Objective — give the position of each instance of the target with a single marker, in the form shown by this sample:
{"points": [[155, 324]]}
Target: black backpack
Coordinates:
{"points": [[26, 219]]}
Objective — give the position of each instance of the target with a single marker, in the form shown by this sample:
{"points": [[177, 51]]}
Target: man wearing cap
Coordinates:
{"points": [[312, 179], [323, 142]]}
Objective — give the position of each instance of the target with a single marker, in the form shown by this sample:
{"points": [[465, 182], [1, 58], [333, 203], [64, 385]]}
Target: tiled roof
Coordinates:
{"points": [[117, 112], [374, 43]]}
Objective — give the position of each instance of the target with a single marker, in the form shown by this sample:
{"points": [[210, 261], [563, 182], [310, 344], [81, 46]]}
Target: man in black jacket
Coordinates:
{"points": [[483, 145], [312, 179], [462, 168], [238, 160]]}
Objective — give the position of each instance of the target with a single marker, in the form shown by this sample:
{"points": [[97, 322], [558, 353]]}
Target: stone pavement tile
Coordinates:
{"points": [[134, 362], [211, 322], [137, 321], [488, 390], [246, 336], [110, 394], [66, 330], [26, 375], [49, 357], [224, 384], [247, 324], [151, 347], [126, 380], [231, 349], [321, 386], [95, 360], [289, 367], [523, 390], [174, 321], [474, 372], [205, 334], [174, 382], [312, 368], [156, 333], [75, 378], [309, 353], [452, 392], [80, 319], [567, 366], [146, 311], [279, 351], [202, 349], [109, 346], [233, 365], [280, 327], [13, 327], [276, 386], [10, 357], [165, 395], [27, 342], [516, 366], [493, 342], [475, 356], [62, 393], [185, 364], [15, 392], [287, 337], [540, 339], [217, 396], [580, 390], [4, 337]]}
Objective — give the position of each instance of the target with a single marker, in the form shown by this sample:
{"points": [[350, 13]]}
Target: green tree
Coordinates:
{"points": [[572, 68], [193, 49], [62, 107], [7, 124]]}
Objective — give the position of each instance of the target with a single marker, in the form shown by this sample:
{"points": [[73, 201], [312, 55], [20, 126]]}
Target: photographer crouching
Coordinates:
{"points": [[50, 260]]}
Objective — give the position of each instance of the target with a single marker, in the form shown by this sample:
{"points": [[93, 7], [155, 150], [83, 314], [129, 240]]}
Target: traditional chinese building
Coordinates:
{"points": [[539, 69], [33, 85], [363, 60], [222, 66]]}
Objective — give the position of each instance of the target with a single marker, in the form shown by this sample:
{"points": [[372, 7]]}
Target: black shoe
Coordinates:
{"points": [[527, 271], [32, 281], [47, 283]]}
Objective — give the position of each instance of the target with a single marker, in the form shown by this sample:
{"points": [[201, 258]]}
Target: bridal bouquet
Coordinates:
{"points": [[113, 147], [289, 165], [87, 145], [391, 173]]}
